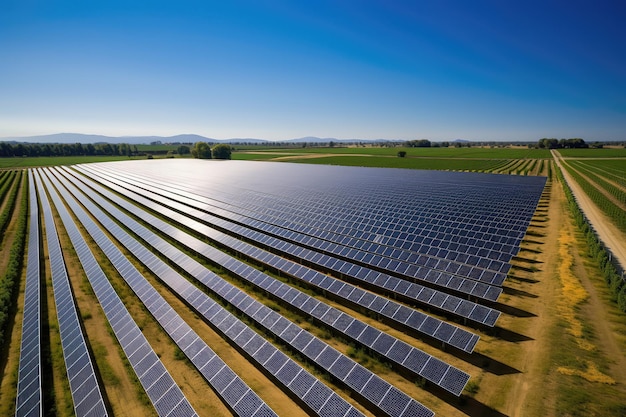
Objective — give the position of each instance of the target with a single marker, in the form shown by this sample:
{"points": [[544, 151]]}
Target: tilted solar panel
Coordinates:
{"points": [[84, 386], [166, 397], [29, 395]]}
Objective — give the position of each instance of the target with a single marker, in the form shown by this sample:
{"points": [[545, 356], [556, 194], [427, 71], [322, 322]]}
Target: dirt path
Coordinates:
{"points": [[608, 234]]}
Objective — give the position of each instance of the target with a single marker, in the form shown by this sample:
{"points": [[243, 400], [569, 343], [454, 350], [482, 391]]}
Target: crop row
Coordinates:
{"points": [[507, 166], [616, 213], [612, 170], [619, 193], [432, 152]]}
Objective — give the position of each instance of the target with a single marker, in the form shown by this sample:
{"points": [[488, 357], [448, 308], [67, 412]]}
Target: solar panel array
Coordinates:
{"points": [[346, 270], [490, 218], [393, 311], [387, 399], [387, 243], [29, 396], [84, 386], [165, 395], [419, 268], [224, 381], [389, 347]]}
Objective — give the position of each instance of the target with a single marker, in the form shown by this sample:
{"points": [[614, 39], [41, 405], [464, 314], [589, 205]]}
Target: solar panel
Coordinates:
{"points": [[386, 233], [222, 318], [167, 317], [479, 290], [370, 227], [332, 285], [125, 329], [272, 321], [29, 395], [84, 387]]}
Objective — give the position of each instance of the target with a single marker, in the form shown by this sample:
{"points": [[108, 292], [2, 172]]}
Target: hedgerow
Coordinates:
{"points": [[14, 268], [6, 214]]}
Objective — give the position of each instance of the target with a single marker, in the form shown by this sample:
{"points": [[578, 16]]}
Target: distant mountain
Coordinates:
{"points": [[133, 140], [184, 138], [314, 139]]}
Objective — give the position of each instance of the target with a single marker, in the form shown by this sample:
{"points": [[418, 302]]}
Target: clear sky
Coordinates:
{"points": [[440, 69]]}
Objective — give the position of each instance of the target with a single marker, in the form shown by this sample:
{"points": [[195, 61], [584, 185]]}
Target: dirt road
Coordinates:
{"points": [[612, 238]]}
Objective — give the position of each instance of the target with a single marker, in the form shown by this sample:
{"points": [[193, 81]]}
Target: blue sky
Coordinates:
{"points": [[479, 70]]}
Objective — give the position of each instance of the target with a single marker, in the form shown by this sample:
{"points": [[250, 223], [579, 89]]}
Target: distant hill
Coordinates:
{"points": [[314, 139], [137, 140]]}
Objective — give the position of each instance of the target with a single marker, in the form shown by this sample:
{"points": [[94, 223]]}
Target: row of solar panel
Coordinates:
{"points": [[397, 216], [394, 311], [509, 199], [385, 197], [390, 219], [165, 395], [84, 387], [432, 298], [426, 253], [419, 273], [245, 338], [182, 334], [415, 227], [454, 248], [29, 395], [431, 368], [420, 228], [384, 256], [414, 292], [271, 320]]}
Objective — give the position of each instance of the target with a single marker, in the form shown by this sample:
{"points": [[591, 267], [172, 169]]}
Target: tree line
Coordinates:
{"points": [[553, 143], [202, 150], [66, 149]]}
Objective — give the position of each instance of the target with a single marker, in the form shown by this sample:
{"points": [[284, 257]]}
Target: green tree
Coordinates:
{"points": [[201, 150], [421, 143], [222, 151], [183, 150]]}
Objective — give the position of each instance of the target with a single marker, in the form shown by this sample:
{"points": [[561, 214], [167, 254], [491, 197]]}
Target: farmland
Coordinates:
{"points": [[492, 160], [552, 352], [604, 181]]}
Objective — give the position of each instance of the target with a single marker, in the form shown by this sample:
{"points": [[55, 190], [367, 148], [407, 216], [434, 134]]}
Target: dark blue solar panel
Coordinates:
{"points": [[342, 367], [439, 277], [78, 363], [29, 394], [176, 327], [327, 357]]}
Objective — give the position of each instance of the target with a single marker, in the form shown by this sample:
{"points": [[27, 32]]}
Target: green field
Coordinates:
{"points": [[244, 156], [613, 166], [411, 163], [481, 153], [520, 161], [593, 153], [48, 161]]}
